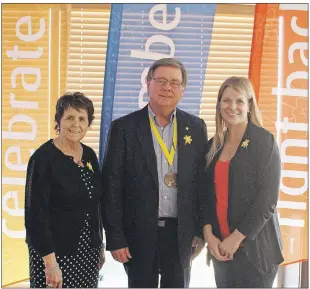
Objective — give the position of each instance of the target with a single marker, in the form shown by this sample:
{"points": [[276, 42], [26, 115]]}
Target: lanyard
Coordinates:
{"points": [[169, 156]]}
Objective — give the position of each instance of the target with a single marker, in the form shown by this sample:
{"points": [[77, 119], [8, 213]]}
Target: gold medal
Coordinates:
{"points": [[170, 180]]}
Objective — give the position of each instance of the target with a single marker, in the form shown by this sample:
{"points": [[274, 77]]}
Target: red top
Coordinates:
{"points": [[221, 188]]}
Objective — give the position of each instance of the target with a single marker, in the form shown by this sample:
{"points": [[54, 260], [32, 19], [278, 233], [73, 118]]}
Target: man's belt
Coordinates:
{"points": [[162, 222]]}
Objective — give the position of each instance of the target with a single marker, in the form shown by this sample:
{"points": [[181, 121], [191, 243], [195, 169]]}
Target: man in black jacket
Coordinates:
{"points": [[150, 174]]}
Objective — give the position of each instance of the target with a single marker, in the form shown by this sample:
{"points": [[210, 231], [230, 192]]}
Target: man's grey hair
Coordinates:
{"points": [[172, 62]]}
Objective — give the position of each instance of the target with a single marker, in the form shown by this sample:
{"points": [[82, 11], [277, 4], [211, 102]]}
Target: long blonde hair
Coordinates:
{"points": [[243, 86]]}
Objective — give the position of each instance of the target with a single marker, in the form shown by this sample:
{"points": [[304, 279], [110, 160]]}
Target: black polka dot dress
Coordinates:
{"points": [[80, 270]]}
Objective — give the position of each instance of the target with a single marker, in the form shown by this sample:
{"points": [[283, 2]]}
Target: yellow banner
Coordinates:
{"points": [[29, 86]]}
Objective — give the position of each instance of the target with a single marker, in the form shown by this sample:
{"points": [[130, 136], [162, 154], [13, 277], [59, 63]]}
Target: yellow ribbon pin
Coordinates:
{"points": [[188, 139], [90, 166], [245, 143]]}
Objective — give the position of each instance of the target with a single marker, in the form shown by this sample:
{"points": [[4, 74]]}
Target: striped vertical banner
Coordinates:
{"points": [[110, 73], [149, 32]]}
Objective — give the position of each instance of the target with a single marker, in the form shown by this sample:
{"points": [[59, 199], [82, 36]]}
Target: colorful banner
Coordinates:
{"points": [[292, 129], [143, 33], [27, 120], [258, 43], [283, 99]]}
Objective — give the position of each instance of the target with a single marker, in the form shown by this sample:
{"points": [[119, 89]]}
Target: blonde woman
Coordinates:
{"points": [[241, 186]]}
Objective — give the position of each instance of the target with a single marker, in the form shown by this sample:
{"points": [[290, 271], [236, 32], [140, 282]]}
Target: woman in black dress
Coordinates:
{"points": [[62, 203]]}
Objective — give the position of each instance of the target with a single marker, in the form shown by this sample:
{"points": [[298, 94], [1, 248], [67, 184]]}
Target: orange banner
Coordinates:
{"points": [[292, 129], [283, 99], [257, 46]]}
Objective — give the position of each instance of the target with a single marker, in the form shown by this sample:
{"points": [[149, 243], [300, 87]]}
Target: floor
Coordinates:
{"points": [[113, 274]]}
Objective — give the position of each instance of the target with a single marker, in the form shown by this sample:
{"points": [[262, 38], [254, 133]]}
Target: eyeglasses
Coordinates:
{"points": [[163, 82]]}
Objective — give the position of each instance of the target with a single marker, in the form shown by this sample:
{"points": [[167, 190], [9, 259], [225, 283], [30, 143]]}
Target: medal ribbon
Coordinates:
{"points": [[169, 156]]}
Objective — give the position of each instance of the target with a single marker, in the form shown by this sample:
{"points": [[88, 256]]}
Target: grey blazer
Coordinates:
{"points": [[254, 180]]}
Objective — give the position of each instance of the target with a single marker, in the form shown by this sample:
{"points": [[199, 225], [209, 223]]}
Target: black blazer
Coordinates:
{"points": [[57, 201], [254, 180], [131, 185]]}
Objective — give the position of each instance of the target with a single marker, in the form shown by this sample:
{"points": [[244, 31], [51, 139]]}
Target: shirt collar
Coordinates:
{"points": [[155, 118]]}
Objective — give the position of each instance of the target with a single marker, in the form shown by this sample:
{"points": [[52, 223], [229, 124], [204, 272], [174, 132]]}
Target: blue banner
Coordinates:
{"points": [[109, 77], [148, 32]]}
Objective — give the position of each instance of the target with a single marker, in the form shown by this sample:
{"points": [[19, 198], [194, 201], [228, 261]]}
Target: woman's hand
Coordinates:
{"points": [[231, 244], [53, 274], [102, 257], [213, 245], [53, 277]]}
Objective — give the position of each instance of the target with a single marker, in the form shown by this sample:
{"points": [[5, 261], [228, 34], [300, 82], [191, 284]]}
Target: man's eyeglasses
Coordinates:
{"points": [[163, 82]]}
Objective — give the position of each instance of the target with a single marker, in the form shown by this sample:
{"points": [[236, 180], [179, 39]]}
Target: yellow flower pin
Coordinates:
{"points": [[90, 166], [245, 143], [188, 139]]}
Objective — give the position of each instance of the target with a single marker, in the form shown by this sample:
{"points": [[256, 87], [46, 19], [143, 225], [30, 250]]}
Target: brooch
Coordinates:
{"points": [[90, 167], [188, 139], [245, 143]]}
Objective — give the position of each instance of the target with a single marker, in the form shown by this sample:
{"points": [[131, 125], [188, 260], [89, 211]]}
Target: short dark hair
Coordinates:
{"points": [[172, 62], [75, 100]]}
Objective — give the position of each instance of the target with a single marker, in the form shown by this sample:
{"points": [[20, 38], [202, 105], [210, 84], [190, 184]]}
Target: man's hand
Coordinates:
{"points": [[197, 246], [231, 244], [121, 255], [213, 245]]}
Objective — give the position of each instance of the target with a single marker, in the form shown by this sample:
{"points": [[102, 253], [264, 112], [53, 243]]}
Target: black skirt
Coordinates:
{"points": [[80, 270]]}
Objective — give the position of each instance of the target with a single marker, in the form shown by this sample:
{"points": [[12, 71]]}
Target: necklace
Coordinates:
{"points": [[77, 157]]}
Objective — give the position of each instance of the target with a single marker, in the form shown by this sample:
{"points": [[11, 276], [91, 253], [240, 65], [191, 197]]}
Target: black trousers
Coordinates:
{"points": [[240, 273], [166, 263]]}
